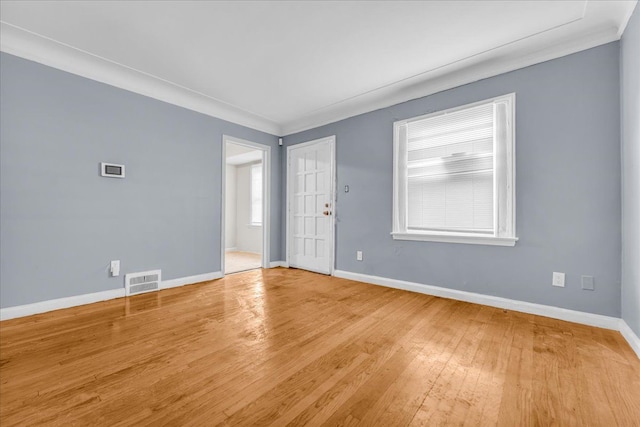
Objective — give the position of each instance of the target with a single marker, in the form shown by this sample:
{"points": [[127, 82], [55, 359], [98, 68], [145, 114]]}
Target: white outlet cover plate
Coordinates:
{"points": [[558, 279], [587, 283], [115, 268]]}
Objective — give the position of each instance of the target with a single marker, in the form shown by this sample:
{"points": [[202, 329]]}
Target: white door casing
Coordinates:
{"points": [[310, 205]]}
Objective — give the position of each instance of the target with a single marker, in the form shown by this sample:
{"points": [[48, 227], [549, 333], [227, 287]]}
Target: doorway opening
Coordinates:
{"points": [[245, 218]]}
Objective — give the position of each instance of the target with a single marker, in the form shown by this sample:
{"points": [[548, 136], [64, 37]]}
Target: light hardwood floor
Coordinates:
{"points": [[289, 347], [235, 261]]}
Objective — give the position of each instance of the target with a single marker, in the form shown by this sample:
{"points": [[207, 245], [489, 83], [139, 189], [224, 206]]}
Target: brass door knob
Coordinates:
{"points": [[326, 213]]}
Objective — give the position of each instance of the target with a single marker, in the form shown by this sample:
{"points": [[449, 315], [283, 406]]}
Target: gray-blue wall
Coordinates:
{"points": [[61, 223], [630, 90], [567, 178]]}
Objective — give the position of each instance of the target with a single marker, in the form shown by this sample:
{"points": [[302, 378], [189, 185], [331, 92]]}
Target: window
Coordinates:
{"points": [[256, 194], [454, 175]]}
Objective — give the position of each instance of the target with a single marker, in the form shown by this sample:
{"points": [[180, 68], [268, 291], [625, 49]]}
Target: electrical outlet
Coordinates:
{"points": [[558, 279], [587, 283], [358, 255], [115, 268]]}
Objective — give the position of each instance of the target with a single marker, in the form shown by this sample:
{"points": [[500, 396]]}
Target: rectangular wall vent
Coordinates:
{"points": [[146, 281]]}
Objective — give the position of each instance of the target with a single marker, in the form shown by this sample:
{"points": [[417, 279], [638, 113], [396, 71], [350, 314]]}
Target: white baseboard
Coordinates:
{"points": [[630, 336], [181, 281], [590, 319], [274, 264], [231, 249], [522, 306], [59, 303]]}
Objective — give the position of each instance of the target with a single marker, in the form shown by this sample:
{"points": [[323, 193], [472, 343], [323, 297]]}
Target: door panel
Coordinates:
{"points": [[311, 206]]}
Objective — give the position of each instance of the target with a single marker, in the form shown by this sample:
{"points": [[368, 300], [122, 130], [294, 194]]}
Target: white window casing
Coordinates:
{"points": [[454, 175]]}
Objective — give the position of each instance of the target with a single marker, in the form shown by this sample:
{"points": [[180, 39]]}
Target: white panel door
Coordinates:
{"points": [[310, 216]]}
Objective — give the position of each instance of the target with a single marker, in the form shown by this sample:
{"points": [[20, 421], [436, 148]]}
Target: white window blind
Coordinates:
{"points": [[450, 171], [453, 171], [256, 194]]}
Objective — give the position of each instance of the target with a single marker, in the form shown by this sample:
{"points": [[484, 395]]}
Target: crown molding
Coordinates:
{"points": [[498, 61], [573, 36], [570, 37], [34, 47]]}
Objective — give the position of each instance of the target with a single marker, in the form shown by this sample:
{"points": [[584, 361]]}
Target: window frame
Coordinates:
{"points": [[504, 195], [252, 169]]}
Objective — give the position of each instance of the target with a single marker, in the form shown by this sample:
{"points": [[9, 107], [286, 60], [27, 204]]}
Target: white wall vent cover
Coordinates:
{"points": [[138, 283]]}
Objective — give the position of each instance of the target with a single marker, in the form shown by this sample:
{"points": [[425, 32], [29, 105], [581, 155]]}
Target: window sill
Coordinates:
{"points": [[457, 238]]}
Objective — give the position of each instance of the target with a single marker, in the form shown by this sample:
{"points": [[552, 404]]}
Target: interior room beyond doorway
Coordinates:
{"points": [[244, 203]]}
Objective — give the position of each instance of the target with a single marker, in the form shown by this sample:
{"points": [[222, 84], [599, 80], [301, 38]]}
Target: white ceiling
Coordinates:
{"points": [[282, 67], [236, 154], [233, 150]]}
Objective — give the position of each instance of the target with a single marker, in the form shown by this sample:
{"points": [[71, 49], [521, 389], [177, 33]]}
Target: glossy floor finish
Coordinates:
{"points": [[288, 347]]}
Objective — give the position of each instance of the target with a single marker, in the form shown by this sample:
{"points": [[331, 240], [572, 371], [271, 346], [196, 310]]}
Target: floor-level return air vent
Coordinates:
{"points": [[138, 283]]}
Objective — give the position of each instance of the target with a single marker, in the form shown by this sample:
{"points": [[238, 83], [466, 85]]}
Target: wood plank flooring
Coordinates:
{"points": [[236, 261], [288, 347]]}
